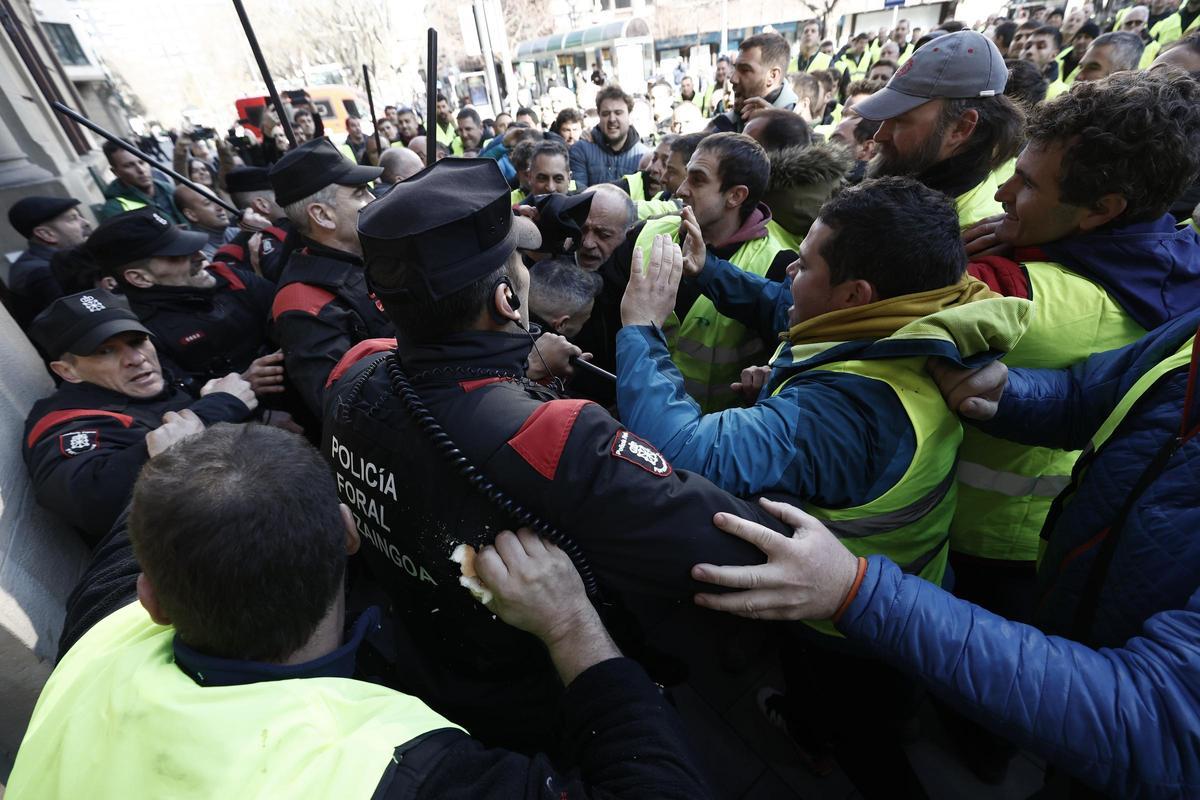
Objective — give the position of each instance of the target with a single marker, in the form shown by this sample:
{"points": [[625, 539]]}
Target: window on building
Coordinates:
{"points": [[66, 46]]}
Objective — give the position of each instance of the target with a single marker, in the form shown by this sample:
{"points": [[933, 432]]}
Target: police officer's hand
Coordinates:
{"points": [[535, 588], [265, 374], [972, 393], [693, 247], [980, 239], [254, 249], [751, 384], [551, 358], [235, 385], [807, 575], [176, 427], [650, 295], [251, 221]]}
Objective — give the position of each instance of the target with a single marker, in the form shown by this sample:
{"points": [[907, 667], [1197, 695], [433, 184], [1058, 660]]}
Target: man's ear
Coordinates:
{"points": [[189, 214], [138, 278], [557, 324], [353, 540], [502, 304], [962, 129], [775, 77], [1107, 208], [45, 234], [853, 293], [107, 282], [319, 215], [736, 196], [261, 205], [66, 371], [149, 600]]}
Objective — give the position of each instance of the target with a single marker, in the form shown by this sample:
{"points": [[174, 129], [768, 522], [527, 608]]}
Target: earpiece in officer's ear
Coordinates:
{"points": [[514, 302]]}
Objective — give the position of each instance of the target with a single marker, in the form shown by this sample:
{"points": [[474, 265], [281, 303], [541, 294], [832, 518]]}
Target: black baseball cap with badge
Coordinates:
{"points": [[80, 323], [441, 230], [139, 234], [311, 167], [958, 65]]}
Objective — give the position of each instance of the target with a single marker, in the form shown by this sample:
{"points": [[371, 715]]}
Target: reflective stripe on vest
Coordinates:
{"points": [[908, 523], [118, 717], [1005, 488], [709, 349], [1180, 358], [129, 203]]}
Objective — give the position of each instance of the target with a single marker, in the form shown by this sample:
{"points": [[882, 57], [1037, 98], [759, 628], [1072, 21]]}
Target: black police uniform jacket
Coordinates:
{"points": [[210, 332], [84, 445], [639, 523], [236, 253], [321, 309]]}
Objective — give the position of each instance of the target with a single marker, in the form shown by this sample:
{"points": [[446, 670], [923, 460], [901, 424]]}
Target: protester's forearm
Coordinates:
{"points": [[581, 647], [759, 304]]}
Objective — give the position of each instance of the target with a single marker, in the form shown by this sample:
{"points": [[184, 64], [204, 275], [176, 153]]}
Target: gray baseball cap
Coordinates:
{"points": [[958, 65]]}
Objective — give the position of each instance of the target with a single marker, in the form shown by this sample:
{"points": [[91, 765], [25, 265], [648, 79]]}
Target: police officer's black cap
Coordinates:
{"points": [[311, 167], [79, 323], [439, 231], [29, 212], [139, 234], [248, 179]]}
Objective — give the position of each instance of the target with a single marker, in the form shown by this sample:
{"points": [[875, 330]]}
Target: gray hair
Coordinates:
{"points": [[1126, 49], [625, 200], [297, 212]]}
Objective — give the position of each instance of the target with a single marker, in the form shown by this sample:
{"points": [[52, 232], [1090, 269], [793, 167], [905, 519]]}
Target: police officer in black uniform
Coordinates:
{"points": [[250, 188], [445, 441], [84, 444], [323, 306], [208, 319]]}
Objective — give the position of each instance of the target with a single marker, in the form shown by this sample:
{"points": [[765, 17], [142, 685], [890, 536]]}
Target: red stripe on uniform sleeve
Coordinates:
{"points": [[367, 347], [541, 440], [300, 297], [55, 418], [228, 274]]}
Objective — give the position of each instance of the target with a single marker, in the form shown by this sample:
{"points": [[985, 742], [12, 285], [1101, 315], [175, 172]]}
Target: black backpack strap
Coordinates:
{"points": [[413, 761]]}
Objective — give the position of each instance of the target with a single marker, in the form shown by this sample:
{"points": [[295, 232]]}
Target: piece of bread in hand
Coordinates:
{"points": [[464, 556]]}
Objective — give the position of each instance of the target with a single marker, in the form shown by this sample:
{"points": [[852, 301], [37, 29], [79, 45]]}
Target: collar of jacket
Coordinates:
{"points": [[154, 296], [489, 352], [89, 395], [320, 265], [118, 188], [209, 670], [632, 139], [957, 175], [754, 227], [1152, 269], [39, 251], [966, 323]]}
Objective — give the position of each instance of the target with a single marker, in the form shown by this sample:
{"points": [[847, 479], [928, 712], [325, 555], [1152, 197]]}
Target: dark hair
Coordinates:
{"points": [[896, 233], [110, 149], [567, 115], [1030, 24], [613, 92], [549, 147], [522, 154], [952, 26], [240, 533], [741, 161], [436, 319], [1136, 134], [866, 129], [385, 108], [441, 98], [526, 111], [560, 286], [884, 62], [804, 23], [300, 112], [1089, 28], [1026, 84], [74, 269], [469, 113], [828, 78], [1051, 31], [864, 86], [997, 135], [1127, 49], [783, 129], [807, 87], [686, 144], [773, 49], [928, 37], [1004, 33]]}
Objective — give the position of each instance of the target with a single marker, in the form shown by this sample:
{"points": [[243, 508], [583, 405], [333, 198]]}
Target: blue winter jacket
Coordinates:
{"points": [[595, 162], [1124, 718], [1157, 563]]}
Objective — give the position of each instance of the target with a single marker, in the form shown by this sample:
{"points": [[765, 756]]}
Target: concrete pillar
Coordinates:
{"points": [[41, 558]]}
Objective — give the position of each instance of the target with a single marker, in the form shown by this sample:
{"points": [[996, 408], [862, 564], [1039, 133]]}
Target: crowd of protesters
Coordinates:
{"points": [[891, 345]]}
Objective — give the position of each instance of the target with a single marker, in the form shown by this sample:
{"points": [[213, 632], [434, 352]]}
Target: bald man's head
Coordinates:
{"points": [[399, 163]]}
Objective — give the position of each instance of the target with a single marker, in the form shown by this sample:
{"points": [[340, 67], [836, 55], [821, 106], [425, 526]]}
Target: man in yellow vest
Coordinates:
{"points": [[809, 57], [136, 187], [225, 668], [446, 130], [846, 417], [1137, 22], [899, 35], [1109, 53], [855, 57], [946, 122], [1087, 236], [1041, 49], [1184, 21]]}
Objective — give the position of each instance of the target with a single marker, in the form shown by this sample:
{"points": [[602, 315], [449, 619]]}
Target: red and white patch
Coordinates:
{"points": [[78, 442], [191, 338], [640, 453]]}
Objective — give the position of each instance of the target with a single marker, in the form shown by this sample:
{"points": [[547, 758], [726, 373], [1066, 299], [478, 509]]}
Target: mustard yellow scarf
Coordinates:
{"points": [[883, 318]]}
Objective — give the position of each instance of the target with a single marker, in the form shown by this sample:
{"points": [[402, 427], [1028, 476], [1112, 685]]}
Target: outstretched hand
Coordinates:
{"points": [[972, 393], [807, 575], [692, 241], [650, 295], [980, 239]]}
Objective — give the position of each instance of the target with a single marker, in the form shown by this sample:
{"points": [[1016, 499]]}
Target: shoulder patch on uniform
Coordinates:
{"points": [[77, 442], [639, 452], [226, 272], [59, 417], [300, 297], [367, 347], [541, 439]]}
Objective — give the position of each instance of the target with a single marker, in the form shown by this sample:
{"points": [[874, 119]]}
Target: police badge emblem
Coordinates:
{"points": [[78, 442]]}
